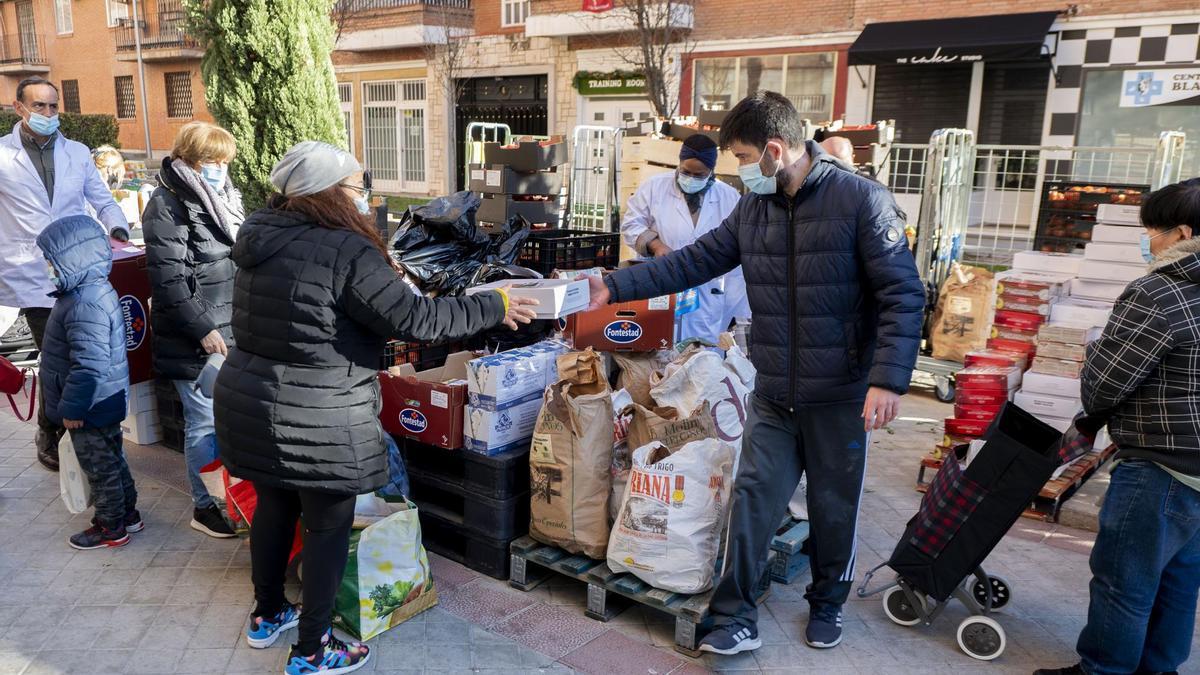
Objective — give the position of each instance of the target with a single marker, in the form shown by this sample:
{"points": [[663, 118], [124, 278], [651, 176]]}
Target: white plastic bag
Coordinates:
{"points": [[703, 376], [72, 481], [669, 527]]}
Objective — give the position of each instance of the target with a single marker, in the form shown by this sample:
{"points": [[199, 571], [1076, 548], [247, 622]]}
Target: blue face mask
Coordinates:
{"points": [[214, 174], [755, 181], [364, 204], [42, 125], [1145, 243], [691, 184], [53, 274]]}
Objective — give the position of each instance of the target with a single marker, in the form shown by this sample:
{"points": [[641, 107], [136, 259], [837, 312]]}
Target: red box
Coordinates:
{"points": [[966, 428], [1018, 321], [639, 326], [981, 397], [1028, 349], [1015, 335], [132, 283], [978, 413], [995, 357], [1025, 305], [427, 406], [988, 377]]}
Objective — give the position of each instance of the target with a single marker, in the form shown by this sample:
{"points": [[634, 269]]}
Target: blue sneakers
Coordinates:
{"points": [[731, 639], [335, 657], [824, 629], [264, 630]]}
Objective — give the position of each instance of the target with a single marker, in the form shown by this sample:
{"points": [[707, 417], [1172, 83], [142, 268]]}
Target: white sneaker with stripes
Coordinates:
{"points": [[731, 639]]}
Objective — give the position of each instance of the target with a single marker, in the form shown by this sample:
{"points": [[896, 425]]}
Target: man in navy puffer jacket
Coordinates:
{"points": [[85, 374], [838, 309]]}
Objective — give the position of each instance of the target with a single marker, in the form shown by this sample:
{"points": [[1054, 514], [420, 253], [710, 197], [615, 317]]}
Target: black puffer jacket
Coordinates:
{"points": [[835, 295], [191, 276], [297, 402]]}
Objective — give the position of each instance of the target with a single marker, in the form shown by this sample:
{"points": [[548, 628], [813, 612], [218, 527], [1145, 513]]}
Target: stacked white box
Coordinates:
{"points": [[141, 425], [1046, 392]]}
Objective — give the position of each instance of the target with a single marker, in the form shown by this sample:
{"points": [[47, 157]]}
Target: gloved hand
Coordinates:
{"points": [[120, 234]]}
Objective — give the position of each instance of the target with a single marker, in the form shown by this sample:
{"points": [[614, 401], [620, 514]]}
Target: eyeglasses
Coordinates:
{"points": [[360, 189]]}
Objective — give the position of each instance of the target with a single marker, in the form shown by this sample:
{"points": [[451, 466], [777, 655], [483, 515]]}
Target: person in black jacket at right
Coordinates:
{"points": [[297, 401], [838, 308]]}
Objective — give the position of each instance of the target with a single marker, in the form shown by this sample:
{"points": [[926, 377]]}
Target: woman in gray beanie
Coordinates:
{"points": [[297, 401]]}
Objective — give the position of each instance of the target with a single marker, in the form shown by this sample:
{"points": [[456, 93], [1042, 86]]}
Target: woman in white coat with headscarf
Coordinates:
{"points": [[670, 211]]}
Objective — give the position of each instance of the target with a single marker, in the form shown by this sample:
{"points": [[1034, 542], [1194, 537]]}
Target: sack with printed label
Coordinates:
{"points": [[668, 531], [702, 376], [621, 454], [963, 318], [570, 459], [664, 425], [636, 370]]}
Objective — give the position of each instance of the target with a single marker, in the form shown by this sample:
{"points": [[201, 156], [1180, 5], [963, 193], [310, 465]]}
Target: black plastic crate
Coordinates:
{"points": [[443, 533], [501, 477], [548, 250], [499, 518], [172, 438], [421, 356]]}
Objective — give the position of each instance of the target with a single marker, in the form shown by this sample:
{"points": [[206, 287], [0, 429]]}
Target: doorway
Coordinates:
{"points": [[518, 101]]}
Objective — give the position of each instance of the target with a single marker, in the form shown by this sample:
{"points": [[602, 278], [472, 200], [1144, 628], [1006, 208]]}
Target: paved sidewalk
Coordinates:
{"points": [[174, 601]]}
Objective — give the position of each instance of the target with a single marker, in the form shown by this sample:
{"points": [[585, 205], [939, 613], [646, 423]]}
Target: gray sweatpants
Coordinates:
{"points": [[827, 442]]}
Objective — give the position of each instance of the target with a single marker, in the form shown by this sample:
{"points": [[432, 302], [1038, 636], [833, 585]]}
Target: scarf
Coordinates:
{"points": [[696, 200], [224, 206]]}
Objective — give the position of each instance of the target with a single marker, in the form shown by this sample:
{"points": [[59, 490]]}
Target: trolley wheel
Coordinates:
{"points": [[899, 609], [1000, 590], [980, 637], [943, 389]]}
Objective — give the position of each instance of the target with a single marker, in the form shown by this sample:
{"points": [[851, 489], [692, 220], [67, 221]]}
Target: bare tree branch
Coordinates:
{"points": [[660, 35], [343, 13]]}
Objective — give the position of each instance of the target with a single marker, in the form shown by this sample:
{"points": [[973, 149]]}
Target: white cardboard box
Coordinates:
{"points": [[1111, 272], [142, 428], [1119, 214], [491, 432], [510, 378], [1117, 234], [1082, 313], [1059, 423], [1128, 254], [556, 297], [1053, 263], [1053, 385], [141, 398], [1102, 291], [1073, 335], [1046, 405]]}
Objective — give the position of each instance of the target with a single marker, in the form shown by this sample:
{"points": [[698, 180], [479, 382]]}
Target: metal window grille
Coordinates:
{"points": [[63, 20], [126, 106], [514, 12], [346, 98], [345, 92], [179, 94], [394, 134], [70, 96]]}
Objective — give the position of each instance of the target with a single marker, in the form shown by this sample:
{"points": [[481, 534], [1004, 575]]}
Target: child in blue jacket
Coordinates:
{"points": [[85, 373]]}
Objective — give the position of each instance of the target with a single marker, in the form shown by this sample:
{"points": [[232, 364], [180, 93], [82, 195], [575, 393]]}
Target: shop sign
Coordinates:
{"points": [[597, 6], [1160, 86], [610, 84]]}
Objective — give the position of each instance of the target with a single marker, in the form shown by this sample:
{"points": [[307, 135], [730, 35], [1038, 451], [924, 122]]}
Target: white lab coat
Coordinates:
{"points": [[659, 205], [26, 210]]}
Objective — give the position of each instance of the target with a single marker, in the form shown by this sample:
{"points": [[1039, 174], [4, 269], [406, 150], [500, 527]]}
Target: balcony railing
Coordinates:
{"points": [[352, 6], [166, 30], [23, 49]]}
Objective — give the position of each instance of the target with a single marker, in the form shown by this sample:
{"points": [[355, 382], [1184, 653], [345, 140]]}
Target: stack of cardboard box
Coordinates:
{"points": [[141, 425], [646, 156], [1051, 387], [504, 394], [1113, 258], [523, 179]]}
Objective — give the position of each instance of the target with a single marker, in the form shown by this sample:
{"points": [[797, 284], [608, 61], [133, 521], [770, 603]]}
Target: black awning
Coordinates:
{"points": [[933, 42]]}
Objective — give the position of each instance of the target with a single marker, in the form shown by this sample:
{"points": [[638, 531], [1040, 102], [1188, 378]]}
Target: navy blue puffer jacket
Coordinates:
{"points": [[84, 369], [837, 302]]}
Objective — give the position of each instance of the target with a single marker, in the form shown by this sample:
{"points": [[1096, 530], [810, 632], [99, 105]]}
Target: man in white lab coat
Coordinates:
{"points": [[45, 177], [670, 211]]}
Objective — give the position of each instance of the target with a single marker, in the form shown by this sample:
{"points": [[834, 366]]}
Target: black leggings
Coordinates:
{"points": [[327, 521]]}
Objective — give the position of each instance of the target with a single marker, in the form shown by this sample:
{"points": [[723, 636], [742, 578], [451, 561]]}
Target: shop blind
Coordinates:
{"points": [[1013, 104], [922, 100]]}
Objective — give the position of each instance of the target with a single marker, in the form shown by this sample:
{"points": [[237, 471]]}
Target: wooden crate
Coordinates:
{"points": [[609, 593], [788, 544]]}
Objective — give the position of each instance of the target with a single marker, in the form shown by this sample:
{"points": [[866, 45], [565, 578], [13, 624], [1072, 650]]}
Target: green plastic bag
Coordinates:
{"points": [[387, 579]]}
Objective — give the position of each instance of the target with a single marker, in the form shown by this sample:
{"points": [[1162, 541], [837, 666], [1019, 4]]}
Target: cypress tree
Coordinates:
{"points": [[268, 79]]}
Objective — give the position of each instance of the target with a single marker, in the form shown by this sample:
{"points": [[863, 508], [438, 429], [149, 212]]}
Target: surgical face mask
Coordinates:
{"points": [[214, 174], [691, 184], [53, 274], [1145, 243], [364, 204], [755, 180], [42, 125]]}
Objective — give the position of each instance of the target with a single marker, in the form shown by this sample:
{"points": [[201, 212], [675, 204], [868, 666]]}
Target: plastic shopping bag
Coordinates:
{"points": [[72, 481], [387, 579]]}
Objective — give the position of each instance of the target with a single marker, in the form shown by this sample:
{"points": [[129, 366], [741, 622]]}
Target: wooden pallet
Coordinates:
{"points": [[790, 560], [1049, 501], [609, 593]]}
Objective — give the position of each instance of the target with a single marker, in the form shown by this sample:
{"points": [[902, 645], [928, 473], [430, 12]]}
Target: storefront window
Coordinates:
{"points": [[1105, 120], [806, 79]]}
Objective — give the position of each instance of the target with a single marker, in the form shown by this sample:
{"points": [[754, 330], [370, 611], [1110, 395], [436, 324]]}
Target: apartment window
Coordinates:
{"points": [[346, 97], [62, 17], [117, 11], [806, 79], [179, 94], [513, 12], [126, 109], [70, 96]]}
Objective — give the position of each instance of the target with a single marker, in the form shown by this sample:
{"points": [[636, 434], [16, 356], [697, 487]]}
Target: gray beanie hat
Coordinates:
{"points": [[312, 166]]}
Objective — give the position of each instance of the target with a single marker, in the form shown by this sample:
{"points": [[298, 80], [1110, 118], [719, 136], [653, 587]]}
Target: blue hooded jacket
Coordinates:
{"points": [[84, 371]]}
